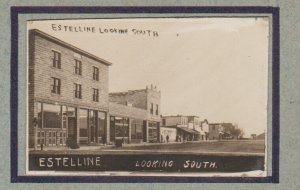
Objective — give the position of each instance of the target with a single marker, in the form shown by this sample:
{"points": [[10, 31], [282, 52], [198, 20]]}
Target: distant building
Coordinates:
{"points": [[215, 131], [204, 130], [200, 126], [179, 120], [228, 129], [189, 128], [253, 136], [170, 131], [222, 131], [135, 115], [261, 136]]}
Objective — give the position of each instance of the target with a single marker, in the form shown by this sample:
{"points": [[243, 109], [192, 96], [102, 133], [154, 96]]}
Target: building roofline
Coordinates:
{"points": [[181, 116], [43, 34], [126, 92], [221, 123], [174, 116]]}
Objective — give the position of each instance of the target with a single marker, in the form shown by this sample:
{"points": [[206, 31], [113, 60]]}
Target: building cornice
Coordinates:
{"points": [[67, 45]]}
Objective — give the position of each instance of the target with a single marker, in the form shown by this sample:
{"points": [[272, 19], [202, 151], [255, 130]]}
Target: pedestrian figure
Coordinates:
{"points": [[167, 137]]}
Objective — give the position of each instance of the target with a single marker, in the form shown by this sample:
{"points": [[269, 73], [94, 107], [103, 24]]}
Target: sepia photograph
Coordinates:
{"points": [[148, 96]]}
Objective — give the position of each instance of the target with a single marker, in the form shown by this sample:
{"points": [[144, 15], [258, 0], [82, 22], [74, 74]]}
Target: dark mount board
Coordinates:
{"points": [[226, 166]]}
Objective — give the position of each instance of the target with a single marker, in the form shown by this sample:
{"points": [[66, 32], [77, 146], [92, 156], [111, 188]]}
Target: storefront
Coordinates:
{"points": [[51, 126], [137, 131], [92, 127], [153, 132], [170, 132], [119, 129], [187, 134], [55, 124]]}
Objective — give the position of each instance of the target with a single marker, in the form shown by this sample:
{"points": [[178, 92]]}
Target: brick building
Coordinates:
{"points": [[135, 115], [68, 93]]}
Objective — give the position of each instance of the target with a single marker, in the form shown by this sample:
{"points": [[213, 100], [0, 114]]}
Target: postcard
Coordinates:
{"points": [[148, 96]]}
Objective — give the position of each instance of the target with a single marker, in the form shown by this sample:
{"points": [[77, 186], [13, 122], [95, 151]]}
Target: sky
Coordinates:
{"points": [[215, 68]]}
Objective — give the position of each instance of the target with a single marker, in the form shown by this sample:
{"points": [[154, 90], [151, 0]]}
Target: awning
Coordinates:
{"points": [[185, 129]]}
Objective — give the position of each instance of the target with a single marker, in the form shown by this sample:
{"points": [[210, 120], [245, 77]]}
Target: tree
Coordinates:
{"points": [[237, 132]]}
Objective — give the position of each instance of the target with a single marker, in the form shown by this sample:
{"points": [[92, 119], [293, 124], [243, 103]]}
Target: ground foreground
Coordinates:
{"points": [[206, 147]]}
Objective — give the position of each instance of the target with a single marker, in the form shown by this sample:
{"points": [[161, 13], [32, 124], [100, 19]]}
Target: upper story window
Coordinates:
{"points": [[56, 84], [95, 73], [151, 109], [78, 67], [95, 95], [56, 59], [77, 90], [156, 112], [164, 121]]}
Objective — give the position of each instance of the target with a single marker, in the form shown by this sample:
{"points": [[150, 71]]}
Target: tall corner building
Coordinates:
{"points": [[67, 93], [68, 99]]}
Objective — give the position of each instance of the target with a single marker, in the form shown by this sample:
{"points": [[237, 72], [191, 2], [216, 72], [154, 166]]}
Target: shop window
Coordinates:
{"points": [[83, 119], [56, 59], [95, 95], [95, 73], [78, 67], [152, 130], [56, 85], [121, 127], [51, 116], [93, 126], [137, 129], [101, 126], [77, 90]]}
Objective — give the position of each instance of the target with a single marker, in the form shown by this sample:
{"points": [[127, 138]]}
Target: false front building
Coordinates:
{"points": [[135, 115], [68, 93], [184, 128]]}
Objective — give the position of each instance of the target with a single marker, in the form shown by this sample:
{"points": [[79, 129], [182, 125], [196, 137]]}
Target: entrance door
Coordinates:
{"points": [[112, 129], [72, 126], [145, 131], [93, 132]]}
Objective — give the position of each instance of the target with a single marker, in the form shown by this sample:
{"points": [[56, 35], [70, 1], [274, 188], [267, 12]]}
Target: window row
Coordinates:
{"points": [[152, 109], [56, 62], [56, 89]]}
